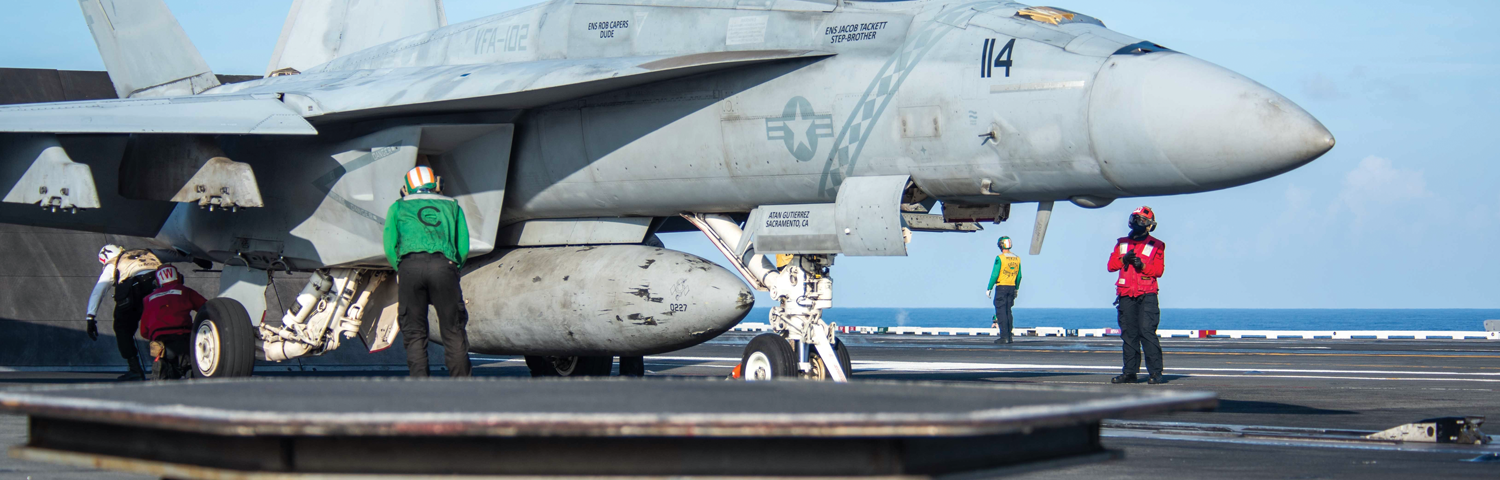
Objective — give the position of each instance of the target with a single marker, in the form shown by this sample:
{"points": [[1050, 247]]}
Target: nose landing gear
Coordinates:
{"points": [[803, 288]]}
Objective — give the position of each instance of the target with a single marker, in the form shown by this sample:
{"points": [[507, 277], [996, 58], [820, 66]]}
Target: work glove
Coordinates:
{"points": [[989, 294], [1128, 259], [1134, 260], [93, 329]]}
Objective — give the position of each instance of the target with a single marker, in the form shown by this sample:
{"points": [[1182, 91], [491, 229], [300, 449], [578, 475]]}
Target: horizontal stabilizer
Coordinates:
{"points": [[204, 114], [425, 90]]}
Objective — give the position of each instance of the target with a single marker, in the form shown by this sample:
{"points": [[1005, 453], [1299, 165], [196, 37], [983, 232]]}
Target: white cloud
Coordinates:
{"points": [[1376, 186], [1319, 87], [1297, 198]]}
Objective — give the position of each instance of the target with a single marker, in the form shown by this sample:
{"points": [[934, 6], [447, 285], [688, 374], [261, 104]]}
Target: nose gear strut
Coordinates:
{"points": [[802, 288]]}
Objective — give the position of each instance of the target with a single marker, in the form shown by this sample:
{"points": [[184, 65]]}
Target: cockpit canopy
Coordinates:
{"points": [[1056, 16]]}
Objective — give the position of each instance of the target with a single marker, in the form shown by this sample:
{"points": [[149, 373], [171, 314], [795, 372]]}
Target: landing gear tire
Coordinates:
{"points": [[632, 366], [768, 357], [570, 366], [223, 340], [819, 367]]}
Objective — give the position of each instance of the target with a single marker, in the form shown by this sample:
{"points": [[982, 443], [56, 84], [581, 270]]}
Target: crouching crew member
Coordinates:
{"points": [[130, 273], [1139, 259], [167, 321], [1005, 283], [426, 241]]}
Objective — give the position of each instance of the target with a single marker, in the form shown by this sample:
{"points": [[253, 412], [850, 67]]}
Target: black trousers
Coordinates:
{"points": [[1005, 298], [1139, 317], [430, 279], [175, 362], [130, 299]]}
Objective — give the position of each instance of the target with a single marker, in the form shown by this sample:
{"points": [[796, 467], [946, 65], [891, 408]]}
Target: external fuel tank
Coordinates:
{"points": [[598, 300]]}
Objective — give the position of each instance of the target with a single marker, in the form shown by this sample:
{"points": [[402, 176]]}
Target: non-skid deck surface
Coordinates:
{"points": [[601, 407]]}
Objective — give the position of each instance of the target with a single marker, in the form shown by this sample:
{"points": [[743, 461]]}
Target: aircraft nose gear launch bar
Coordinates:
{"points": [[316, 428]]}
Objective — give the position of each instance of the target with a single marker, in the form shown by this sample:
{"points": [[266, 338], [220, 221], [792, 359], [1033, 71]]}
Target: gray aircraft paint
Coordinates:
{"points": [[599, 300], [321, 30], [651, 108]]}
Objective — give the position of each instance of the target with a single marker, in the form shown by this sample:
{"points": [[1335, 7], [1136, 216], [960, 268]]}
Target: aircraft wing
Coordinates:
{"points": [[204, 114], [277, 106], [342, 95]]}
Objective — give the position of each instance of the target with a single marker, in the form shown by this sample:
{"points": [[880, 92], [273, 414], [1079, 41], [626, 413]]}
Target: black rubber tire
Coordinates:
{"points": [[779, 359], [234, 347], [844, 361], [632, 366], [539, 366], [843, 353], [594, 366], [581, 366]]}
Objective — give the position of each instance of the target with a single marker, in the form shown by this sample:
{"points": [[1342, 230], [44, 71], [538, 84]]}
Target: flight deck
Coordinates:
{"points": [[572, 427], [1347, 385]]}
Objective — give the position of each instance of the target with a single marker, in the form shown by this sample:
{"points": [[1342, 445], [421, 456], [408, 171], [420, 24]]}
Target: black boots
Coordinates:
{"points": [[1154, 380], [136, 373]]}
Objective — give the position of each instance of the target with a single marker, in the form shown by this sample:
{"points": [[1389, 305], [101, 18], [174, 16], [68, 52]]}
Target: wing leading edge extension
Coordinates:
{"points": [[360, 94]]}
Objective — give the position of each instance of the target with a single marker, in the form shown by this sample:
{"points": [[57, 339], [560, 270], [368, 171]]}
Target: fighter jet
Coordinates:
{"points": [[573, 131]]}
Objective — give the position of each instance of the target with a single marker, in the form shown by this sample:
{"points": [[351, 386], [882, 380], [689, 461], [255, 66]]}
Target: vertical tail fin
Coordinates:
{"points": [[145, 50], [318, 31]]}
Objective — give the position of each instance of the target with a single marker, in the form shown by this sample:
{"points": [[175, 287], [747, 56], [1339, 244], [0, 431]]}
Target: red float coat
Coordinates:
{"points": [[169, 311], [1133, 283]]}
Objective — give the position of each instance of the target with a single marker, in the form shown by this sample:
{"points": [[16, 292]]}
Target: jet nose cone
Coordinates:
{"points": [[1166, 123]]}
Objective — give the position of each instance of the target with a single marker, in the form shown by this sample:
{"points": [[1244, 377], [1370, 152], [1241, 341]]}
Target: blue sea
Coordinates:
{"points": [[1171, 318]]}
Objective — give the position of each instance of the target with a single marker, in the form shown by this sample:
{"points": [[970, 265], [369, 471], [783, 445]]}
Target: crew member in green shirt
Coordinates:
{"points": [[426, 241], [1004, 285]]}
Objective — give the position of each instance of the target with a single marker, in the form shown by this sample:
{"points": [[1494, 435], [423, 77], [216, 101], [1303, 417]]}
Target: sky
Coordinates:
{"points": [[1403, 213]]}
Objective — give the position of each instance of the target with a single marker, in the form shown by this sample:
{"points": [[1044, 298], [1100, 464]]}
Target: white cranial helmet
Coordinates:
{"points": [[108, 252], [167, 274]]}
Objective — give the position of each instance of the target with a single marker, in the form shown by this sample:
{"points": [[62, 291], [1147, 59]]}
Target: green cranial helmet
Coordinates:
{"points": [[1004, 243]]}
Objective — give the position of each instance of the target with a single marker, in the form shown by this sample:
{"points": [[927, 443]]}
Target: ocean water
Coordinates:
{"points": [[1171, 318]]}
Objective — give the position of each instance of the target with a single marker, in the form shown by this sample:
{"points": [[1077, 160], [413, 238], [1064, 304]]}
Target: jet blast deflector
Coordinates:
{"points": [[574, 428]]}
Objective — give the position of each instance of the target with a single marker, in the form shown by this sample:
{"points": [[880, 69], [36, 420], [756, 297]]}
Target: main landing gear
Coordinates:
{"points": [[226, 343], [223, 340]]}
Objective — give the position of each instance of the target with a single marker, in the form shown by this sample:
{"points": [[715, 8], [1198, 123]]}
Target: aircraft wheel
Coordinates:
{"points": [[844, 361], [632, 366], [768, 357], [819, 371], [569, 366], [223, 340]]}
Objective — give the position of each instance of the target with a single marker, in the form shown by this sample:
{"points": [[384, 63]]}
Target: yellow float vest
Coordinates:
{"points": [[1010, 268]]}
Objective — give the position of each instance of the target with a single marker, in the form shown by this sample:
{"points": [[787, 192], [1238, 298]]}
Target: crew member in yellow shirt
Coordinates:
{"points": [[1004, 285]]}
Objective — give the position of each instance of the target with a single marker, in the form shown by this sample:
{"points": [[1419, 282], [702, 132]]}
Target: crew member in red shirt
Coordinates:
{"points": [[166, 322], [1139, 258]]}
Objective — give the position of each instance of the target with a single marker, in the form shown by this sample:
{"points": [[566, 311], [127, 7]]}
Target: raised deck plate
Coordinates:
{"points": [[619, 427]]}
